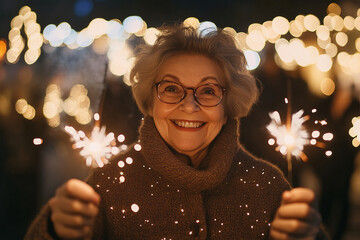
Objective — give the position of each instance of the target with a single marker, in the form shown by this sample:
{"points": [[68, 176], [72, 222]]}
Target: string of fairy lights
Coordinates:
{"points": [[329, 48]]}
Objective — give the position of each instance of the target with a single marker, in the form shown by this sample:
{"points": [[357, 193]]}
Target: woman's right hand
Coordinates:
{"points": [[73, 209]]}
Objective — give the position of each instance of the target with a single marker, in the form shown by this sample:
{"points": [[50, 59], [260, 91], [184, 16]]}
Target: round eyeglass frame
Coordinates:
{"points": [[156, 85]]}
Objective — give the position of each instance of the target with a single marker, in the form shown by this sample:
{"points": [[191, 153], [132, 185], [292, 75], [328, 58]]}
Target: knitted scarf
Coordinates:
{"points": [[213, 168]]}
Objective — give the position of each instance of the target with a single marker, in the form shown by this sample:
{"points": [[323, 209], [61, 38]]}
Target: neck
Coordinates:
{"points": [[197, 157]]}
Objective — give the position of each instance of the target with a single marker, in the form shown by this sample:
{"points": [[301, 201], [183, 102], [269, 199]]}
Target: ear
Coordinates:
{"points": [[225, 119], [150, 111]]}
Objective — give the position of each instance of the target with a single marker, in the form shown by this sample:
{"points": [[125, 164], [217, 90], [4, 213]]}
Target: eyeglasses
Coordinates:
{"points": [[207, 95]]}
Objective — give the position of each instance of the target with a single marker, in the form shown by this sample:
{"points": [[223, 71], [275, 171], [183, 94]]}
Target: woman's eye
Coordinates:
{"points": [[171, 88], [208, 90]]}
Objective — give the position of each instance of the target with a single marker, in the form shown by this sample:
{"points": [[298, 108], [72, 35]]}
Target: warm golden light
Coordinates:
{"points": [[327, 22], [230, 31], [313, 54], [299, 21], [337, 23], [2, 49], [355, 63], [192, 22], [255, 40], [357, 23], [283, 50], [31, 55], [241, 40], [341, 39], [324, 63], [327, 86], [354, 131], [311, 22], [29, 17], [97, 27], [101, 45], [83, 116], [50, 110], [17, 22], [334, 8], [280, 25], [54, 122], [269, 32], [24, 10], [357, 44], [343, 58], [349, 23], [254, 27], [29, 112], [21, 106], [32, 28], [322, 32], [142, 31], [150, 35], [294, 30], [331, 50]]}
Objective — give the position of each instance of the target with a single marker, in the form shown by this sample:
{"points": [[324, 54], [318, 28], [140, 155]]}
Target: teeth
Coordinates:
{"points": [[188, 124]]}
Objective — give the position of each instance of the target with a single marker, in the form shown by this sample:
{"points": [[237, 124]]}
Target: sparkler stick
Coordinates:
{"points": [[99, 147], [288, 127]]}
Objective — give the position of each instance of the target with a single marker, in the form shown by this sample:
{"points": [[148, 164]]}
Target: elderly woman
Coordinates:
{"points": [[192, 179]]}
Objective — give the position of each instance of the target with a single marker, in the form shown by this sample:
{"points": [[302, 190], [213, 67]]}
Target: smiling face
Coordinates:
{"points": [[186, 126]]}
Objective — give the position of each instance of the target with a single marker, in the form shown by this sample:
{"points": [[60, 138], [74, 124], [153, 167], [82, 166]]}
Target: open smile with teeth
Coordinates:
{"points": [[188, 124]]}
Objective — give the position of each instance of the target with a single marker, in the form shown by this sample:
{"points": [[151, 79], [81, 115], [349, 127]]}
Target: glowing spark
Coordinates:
{"points": [[135, 208], [37, 141], [290, 138], [98, 149]]}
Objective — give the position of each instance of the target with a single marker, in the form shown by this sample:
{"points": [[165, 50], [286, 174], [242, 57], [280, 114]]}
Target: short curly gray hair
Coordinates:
{"points": [[242, 91]]}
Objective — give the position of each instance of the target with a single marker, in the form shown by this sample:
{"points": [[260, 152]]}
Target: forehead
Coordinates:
{"points": [[191, 69]]}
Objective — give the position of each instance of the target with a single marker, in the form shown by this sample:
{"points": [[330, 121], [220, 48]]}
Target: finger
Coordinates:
{"points": [[71, 220], [278, 235], [75, 188], [71, 233], [298, 195], [74, 206], [294, 227], [298, 211]]}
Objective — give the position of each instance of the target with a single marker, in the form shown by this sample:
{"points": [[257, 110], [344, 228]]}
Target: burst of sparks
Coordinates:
{"points": [[97, 149], [289, 137]]}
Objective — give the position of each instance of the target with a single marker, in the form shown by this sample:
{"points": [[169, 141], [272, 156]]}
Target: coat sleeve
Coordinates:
{"points": [[41, 228]]}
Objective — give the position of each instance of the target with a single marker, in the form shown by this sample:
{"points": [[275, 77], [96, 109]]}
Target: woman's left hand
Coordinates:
{"points": [[297, 217]]}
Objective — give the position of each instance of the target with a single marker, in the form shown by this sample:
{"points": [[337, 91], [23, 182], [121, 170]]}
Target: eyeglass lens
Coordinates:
{"points": [[206, 95]]}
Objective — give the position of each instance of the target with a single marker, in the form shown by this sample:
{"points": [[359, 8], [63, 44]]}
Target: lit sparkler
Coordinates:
{"points": [[292, 136], [98, 148]]}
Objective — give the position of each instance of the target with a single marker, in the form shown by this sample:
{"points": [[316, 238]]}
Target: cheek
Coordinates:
{"points": [[161, 111]]}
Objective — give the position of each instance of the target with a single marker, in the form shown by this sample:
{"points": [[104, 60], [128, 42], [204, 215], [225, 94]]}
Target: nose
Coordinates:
{"points": [[189, 104]]}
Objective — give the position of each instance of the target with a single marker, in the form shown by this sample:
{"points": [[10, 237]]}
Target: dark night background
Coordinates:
{"points": [[25, 186]]}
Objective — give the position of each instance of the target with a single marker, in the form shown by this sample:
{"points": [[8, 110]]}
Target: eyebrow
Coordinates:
{"points": [[202, 80]]}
